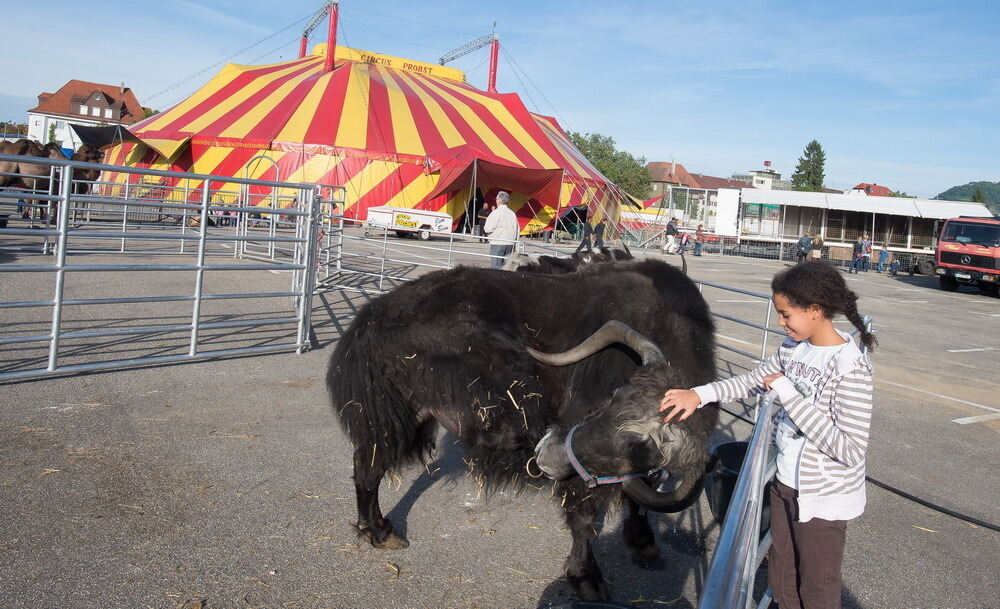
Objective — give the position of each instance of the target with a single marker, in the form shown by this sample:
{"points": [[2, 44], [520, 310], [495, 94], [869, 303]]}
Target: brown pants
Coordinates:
{"points": [[803, 566]]}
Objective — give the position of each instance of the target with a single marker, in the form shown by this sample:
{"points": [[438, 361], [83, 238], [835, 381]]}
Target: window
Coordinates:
{"points": [[987, 235], [107, 113], [83, 109], [95, 111]]}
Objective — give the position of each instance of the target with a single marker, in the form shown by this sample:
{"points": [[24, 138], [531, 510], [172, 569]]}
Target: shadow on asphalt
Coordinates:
{"points": [[447, 466]]}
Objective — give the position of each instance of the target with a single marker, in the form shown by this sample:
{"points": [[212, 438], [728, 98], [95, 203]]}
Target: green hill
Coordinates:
{"points": [[990, 190]]}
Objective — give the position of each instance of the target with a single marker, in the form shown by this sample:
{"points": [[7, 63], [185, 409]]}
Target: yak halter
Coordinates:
{"points": [[590, 479]]}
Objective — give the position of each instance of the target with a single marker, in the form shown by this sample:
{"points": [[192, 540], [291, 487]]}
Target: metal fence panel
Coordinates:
{"points": [[76, 260]]}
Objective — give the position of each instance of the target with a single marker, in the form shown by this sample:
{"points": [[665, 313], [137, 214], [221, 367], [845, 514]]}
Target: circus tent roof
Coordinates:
{"points": [[369, 109]]}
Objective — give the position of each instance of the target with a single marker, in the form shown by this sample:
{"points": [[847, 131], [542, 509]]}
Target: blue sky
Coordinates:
{"points": [[905, 94]]}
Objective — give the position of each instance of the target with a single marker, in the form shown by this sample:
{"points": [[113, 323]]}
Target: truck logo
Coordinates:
{"points": [[966, 259]]}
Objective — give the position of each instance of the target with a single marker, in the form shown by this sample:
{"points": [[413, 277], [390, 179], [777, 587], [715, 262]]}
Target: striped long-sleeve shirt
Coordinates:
{"points": [[835, 420]]}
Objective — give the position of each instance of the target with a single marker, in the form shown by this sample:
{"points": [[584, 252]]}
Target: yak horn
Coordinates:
{"points": [[674, 501], [610, 333], [684, 269]]}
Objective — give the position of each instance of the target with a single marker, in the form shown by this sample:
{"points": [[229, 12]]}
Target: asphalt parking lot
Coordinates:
{"points": [[227, 484]]}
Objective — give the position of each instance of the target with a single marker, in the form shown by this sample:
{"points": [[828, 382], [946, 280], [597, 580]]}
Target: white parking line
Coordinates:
{"points": [[970, 350], [962, 421], [986, 314], [913, 301], [978, 419]]}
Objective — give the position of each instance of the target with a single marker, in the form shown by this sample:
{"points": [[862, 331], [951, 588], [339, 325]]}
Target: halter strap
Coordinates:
{"points": [[590, 479]]}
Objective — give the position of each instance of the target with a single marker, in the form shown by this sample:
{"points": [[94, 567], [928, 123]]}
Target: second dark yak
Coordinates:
{"points": [[509, 363]]}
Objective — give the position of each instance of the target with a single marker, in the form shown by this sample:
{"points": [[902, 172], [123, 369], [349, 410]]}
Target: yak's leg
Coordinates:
{"points": [[639, 536], [372, 525], [582, 571]]}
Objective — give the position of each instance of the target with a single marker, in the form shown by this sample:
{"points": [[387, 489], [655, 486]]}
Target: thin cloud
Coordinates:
{"points": [[218, 17]]}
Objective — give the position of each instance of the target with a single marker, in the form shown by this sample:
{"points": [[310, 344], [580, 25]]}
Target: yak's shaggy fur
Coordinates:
{"points": [[450, 349]]}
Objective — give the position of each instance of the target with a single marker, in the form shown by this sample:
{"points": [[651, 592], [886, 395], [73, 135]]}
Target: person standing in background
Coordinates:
{"points": [[866, 254], [699, 240], [817, 249], [883, 259], [588, 231], [502, 229], [481, 216], [804, 247], [857, 255], [599, 232], [671, 232]]}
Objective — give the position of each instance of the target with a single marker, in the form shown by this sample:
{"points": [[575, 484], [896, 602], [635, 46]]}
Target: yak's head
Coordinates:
{"points": [[627, 434]]}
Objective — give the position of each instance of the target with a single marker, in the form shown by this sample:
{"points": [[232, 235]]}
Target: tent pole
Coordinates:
{"points": [[472, 195], [555, 223], [331, 37], [491, 85]]}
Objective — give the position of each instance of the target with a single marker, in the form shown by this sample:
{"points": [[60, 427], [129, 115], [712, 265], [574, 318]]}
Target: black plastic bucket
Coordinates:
{"points": [[721, 481]]}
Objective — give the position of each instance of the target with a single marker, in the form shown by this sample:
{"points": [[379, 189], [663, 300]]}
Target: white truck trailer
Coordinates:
{"points": [[407, 221]]}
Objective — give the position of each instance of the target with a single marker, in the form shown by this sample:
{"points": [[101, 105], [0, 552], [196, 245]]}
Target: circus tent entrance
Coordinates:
{"points": [[392, 131]]}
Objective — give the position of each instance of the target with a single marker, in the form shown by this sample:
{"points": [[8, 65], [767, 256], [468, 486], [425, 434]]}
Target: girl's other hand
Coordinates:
{"points": [[769, 379], [680, 403]]}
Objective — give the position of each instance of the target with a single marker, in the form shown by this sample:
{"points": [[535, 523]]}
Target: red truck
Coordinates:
{"points": [[968, 252]]}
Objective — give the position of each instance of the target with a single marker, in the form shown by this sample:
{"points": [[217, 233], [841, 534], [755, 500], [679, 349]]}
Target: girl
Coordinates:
{"points": [[824, 385]]}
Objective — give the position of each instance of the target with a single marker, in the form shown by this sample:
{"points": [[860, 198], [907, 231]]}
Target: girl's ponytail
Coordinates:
{"points": [[850, 311]]}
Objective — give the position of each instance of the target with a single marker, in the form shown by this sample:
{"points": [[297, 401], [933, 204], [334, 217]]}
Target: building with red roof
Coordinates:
{"points": [[871, 190], [662, 175], [85, 103], [715, 183]]}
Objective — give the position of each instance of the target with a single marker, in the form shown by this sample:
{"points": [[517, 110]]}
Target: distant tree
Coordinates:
{"points": [[12, 128], [978, 196], [147, 112], [900, 193], [809, 172], [619, 166], [52, 134]]}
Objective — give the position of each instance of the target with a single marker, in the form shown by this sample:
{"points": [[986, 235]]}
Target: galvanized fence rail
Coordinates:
{"points": [[272, 229], [364, 257]]}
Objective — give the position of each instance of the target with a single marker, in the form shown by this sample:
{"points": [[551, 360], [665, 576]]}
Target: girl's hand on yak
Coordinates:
{"points": [[680, 403]]}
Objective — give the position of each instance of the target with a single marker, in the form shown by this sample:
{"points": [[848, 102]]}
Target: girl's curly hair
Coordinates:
{"points": [[815, 282]]}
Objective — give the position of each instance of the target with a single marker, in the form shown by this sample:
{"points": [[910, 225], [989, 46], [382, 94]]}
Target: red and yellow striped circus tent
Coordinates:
{"points": [[651, 215], [392, 131]]}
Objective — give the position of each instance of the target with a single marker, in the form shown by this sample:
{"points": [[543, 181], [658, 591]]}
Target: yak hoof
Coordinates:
{"points": [[589, 589], [391, 541], [639, 536]]}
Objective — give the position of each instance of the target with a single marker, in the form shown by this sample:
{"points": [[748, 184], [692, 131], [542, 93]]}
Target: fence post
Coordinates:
{"points": [[309, 272], [200, 273], [66, 184], [48, 215]]}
